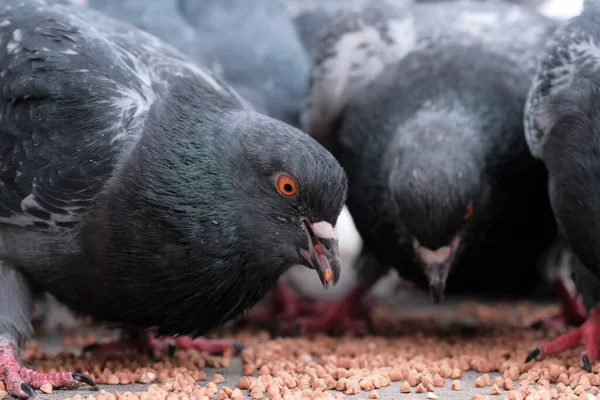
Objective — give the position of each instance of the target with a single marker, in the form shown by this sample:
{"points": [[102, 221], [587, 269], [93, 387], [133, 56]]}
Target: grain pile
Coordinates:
{"points": [[441, 346]]}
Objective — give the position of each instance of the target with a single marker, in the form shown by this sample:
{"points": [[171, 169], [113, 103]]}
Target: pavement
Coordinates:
{"points": [[233, 374], [54, 342]]}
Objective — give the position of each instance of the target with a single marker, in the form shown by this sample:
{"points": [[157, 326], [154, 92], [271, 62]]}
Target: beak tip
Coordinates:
{"points": [[437, 293]]}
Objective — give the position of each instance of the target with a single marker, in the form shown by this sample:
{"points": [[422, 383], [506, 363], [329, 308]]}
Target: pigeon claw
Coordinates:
{"points": [[586, 364], [21, 381], [83, 378], [171, 348], [534, 354], [588, 335], [28, 390], [238, 346]]}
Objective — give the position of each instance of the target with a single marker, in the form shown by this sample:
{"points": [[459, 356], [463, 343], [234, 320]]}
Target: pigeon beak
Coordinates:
{"points": [[436, 276], [436, 266], [323, 254]]}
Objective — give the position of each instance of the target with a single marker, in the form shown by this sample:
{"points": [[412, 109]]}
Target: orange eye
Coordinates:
{"points": [[469, 212], [286, 185]]}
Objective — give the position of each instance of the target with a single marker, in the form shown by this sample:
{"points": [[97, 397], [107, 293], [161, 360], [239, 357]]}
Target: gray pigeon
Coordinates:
{"points": [[251, 44], [562, 119], [311, 17], [423, 107], [139, 189]]}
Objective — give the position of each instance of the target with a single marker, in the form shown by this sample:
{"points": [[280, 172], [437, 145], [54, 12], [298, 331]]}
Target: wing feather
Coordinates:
{"points": [[76, 89]]}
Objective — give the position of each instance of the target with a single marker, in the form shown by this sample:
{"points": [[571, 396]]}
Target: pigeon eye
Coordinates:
{"points": [[469, 211], [286, 185]]}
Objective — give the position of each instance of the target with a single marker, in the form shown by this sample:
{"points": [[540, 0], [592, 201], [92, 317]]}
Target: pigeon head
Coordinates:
{"points": [[439, 188], [297, 189], [219, 204]]}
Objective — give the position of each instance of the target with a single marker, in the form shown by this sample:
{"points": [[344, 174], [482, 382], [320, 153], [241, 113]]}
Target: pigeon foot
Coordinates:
{"points": [[21, 381], [150, 342], [284, 304], [346, 315], [213, 346], [572, 312], [587, 334]]}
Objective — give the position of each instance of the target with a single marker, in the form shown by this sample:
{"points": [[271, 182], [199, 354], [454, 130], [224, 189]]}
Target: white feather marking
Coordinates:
{"points": [[70, 52], [588, 49], [205, 76], [359, 58], [14, 44], [540, 118], [26, 219]]}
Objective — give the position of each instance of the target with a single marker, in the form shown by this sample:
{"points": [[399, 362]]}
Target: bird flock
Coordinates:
{"points": [[164, 163]]}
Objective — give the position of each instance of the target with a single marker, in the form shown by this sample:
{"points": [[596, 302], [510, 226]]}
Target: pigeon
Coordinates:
{"points": [[139, 189], [264, 62], [423, 107], [251, 44], [562, 113]]}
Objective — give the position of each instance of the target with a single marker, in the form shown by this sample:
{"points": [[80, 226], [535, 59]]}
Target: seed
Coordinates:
{"points": [[366, 384], [221, 395], [395, 374], [3, 394], [112, 380], [480, 382], [456, 385], [426, 381], [244, 383], [486, 379], [303, 383], [257, 394], [431, 395], [273, 393], [352, 389], [405, 387], [420, 388], [508, 384], [563, 378], [554, 371], [495, 390], [585, 382], [373, 394], [438, 381], [413, 380], [237, 395], [46, 388], [249, 369]]}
